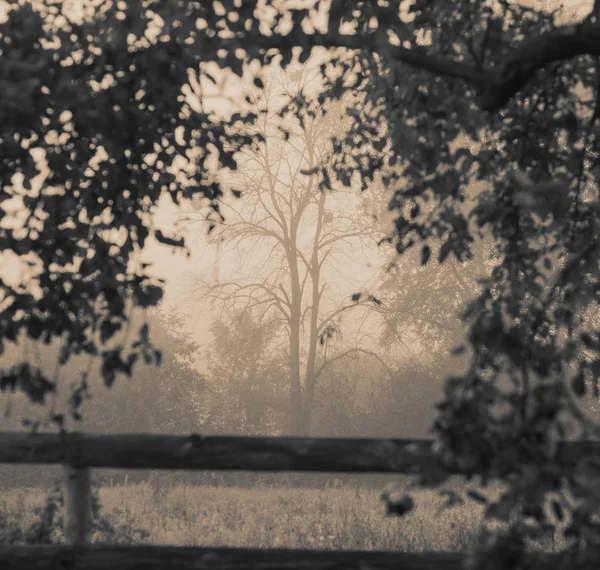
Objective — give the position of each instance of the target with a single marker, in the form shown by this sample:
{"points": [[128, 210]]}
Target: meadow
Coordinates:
{"points": [[329, 518]]}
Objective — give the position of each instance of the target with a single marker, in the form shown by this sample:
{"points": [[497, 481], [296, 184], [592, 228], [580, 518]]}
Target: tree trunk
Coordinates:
{"points": [[315, 274], [308, 404], [296, 404], [295, 385]]}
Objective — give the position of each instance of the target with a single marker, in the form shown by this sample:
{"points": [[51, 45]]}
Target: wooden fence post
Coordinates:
{"points": [[78, 505]]}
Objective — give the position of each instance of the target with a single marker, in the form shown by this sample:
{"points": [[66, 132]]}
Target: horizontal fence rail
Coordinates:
{"points": [[81, 452], [195, 452], [146, 451], [186, 558]]}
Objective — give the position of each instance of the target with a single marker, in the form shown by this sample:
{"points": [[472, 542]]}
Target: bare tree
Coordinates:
{"points": [[298, 242]]}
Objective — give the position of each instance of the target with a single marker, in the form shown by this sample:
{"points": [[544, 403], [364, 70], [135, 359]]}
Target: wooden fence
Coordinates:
{"points": [[81, 452]]}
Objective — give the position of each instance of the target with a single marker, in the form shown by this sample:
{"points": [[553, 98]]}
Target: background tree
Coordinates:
{"points": [[291, 234], [162, 399], [168, 398], [362, 396], [248, 377], [419, 321]]}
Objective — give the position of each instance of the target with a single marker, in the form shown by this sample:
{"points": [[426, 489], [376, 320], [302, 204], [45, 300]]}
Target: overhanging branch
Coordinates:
{"points": [[496, 85], [532, 55]]}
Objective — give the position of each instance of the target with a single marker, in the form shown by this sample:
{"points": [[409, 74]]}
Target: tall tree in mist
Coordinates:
{"points": [[295, 237]]}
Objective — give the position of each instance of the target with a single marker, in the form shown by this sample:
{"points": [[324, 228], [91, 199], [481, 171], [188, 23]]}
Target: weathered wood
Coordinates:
{"points": [[78, 505], [180, 558], [146, 451]]}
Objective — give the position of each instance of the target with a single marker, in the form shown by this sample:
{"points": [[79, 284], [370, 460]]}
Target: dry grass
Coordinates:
{"points": [[334, 518]]}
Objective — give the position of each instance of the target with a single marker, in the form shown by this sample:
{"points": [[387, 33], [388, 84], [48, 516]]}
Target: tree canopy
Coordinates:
{"points": [[481, 116]]}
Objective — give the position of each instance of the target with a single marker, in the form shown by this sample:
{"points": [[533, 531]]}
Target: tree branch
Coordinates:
{"points": [[346, 353], [219, 292], [532, 55], [328, 318], [496, 85]]}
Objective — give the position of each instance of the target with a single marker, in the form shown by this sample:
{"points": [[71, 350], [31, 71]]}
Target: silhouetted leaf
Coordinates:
{"points": [[478, 497], [108, 328], [557, 509], [578, 384], [148, 295], [425, 254], [398, 505], [167, 240]]}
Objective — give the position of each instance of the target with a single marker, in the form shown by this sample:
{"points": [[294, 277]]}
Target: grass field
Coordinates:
{"points": [[335, 518]]}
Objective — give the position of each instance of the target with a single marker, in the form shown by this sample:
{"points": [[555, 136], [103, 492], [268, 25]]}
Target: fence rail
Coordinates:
{"points": [[145, 451], [81, 452], [186, 558], [195, 452]]}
